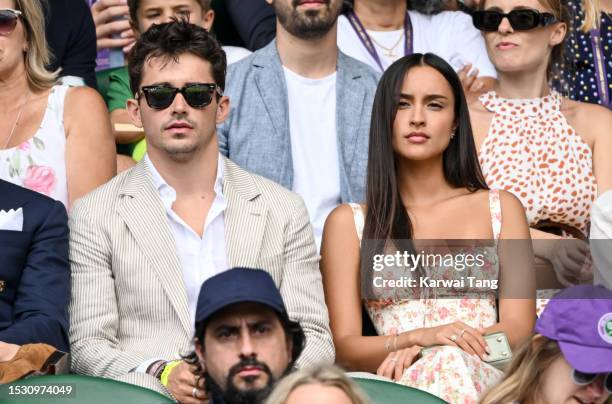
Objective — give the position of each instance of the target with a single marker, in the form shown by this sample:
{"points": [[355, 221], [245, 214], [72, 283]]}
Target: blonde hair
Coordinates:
{"points": [[523, 375], [37, 55], [592, 15], [326, 375]]}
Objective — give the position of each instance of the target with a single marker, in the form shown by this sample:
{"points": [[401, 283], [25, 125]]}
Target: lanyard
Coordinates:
{"points": [[367, 41], [600, 68]]}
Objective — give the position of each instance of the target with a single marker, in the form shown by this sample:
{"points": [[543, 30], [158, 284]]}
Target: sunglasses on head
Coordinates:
{"points": [[583, 379], [8, 20], [520, 20], [197, 95]]}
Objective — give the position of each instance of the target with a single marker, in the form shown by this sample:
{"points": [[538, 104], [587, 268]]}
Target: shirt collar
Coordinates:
{"points": [[168, 194]]}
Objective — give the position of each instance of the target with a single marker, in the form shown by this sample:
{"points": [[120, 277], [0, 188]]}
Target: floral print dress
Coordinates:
{"points": [[447, 372], [39, 163]]}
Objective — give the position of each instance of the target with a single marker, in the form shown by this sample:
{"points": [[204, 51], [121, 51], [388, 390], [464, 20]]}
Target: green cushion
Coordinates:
{"points": [[85, 389], [381, 392]]}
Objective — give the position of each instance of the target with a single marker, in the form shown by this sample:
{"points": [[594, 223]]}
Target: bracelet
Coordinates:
{"points": [[156, 368], [166, 372]]}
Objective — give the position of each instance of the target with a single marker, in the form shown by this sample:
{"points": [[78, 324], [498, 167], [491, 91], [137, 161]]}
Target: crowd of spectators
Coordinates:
{"points": [[224, 234]]}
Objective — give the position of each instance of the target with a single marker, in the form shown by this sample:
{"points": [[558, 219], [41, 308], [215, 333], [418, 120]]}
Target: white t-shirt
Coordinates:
{"points": [[449, 34], [314, 145], [235, 54]]}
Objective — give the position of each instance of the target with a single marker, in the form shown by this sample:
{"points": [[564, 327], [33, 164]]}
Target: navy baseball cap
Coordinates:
{"points": [[238, 285]]}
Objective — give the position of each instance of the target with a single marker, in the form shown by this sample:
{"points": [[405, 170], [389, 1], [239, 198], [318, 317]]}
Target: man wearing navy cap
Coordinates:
{"points": [[245, 341]]}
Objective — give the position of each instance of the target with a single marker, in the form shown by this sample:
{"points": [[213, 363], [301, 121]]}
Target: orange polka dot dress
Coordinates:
{"points": [[533, 152]]}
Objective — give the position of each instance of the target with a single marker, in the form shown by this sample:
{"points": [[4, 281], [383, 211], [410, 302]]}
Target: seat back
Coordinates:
{"points": [[381, 392]]}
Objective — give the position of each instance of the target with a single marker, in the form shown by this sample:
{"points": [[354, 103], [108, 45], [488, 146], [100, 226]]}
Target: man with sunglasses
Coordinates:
{"points": [[143, 244]]}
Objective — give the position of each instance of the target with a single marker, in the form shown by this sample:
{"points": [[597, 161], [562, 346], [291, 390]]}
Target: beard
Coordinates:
{"points": [[428, 6], [234, 395], [310, 24]]}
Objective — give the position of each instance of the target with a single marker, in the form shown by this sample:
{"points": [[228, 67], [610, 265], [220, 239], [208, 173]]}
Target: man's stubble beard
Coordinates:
{"points": [[183, 152], [311, 24]]}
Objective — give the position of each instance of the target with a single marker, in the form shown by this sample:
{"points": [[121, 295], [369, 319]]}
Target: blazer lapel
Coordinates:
{"points": [[144, 214], [245, 217], [272, 88], [350, 98]]}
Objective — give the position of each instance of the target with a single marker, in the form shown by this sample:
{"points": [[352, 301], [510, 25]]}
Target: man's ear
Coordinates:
{"points": [[558, 33], [133, 109], [208, 18], [199, 350], [223, 109]]}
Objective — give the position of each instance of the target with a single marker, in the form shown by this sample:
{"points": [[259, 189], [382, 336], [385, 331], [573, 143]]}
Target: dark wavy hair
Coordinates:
{"points": [[169, 41], [386, 217]]}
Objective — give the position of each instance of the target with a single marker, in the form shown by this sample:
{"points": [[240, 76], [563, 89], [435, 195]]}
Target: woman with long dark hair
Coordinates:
{"points": [[424, 183]]}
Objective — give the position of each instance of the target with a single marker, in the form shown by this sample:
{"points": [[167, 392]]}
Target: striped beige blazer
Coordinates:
{"points": [[129, 302]]}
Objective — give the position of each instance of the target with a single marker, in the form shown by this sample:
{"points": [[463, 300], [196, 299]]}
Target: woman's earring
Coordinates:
{"points": [[452, 135]]}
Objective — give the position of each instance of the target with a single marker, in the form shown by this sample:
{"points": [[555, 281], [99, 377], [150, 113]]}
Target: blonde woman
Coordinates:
{"points": [[53, 139], [569, 360], [589, 52], [324, 384], [550, 152]]}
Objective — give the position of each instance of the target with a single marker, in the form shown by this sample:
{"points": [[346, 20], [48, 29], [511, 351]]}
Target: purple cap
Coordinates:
{"points": [[579, 318]]}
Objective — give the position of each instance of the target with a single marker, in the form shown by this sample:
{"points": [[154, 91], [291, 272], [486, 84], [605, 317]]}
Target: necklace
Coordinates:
{"points": [[367, 42], [8, 140], [389, 51]]}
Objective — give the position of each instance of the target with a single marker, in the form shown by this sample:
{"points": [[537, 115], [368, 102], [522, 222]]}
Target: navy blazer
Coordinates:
{"points": [[34, 270]]}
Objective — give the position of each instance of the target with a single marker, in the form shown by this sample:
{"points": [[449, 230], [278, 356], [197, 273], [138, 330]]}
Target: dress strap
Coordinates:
{"points": [[359, 219], [496, 213]]}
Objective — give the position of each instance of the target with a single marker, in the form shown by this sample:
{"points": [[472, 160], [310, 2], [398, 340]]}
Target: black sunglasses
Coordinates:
{"points": [[583, 379], [520, 20], [197, 95], [8, 20]]}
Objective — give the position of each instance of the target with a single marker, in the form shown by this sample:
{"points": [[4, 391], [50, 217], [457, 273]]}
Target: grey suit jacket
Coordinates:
{"points": [[129, 302], [256, 133]]}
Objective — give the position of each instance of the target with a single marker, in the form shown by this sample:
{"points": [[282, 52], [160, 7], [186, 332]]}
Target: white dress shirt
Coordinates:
{"points": [[200, 257]]}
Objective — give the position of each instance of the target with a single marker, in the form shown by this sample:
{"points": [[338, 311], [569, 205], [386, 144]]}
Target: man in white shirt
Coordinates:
{"points": [[378, 32], [301, 110], [142, 245]]}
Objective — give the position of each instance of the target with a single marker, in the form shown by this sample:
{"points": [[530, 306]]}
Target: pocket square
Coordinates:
{"points": [[11, 220]]}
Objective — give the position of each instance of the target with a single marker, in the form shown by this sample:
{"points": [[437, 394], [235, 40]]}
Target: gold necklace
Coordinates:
{"points": [[389, 51], [8, 140]]}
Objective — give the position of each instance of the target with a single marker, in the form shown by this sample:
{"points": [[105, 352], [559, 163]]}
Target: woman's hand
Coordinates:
{"points": [[571, 259], [457, 334], [394, 364]]}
